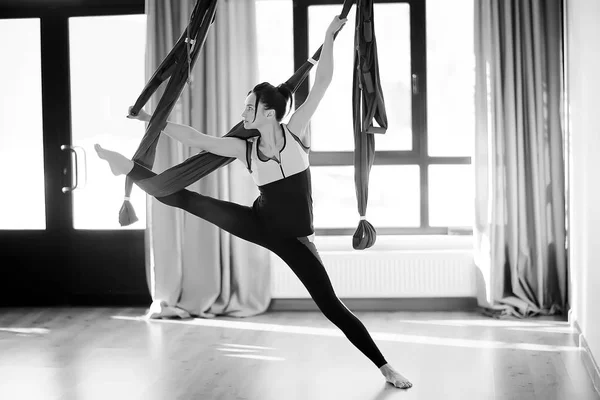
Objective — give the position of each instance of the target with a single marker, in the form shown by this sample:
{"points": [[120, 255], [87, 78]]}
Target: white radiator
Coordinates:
{"points": [[386, 274]]}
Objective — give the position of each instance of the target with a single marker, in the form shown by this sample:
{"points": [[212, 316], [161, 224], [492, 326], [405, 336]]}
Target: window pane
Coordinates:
{"points": [[450, 77], [393, 197], [21, 130], [107, 76], [332, 123], [451, 195], [275, 40]]}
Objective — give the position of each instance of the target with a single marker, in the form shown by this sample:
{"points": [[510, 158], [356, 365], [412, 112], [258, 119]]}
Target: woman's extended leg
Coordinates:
{"points": [[302, 257], [234, 218]]}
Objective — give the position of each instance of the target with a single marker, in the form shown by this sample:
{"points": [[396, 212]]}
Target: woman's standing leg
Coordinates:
{"points": [[302, 257]]}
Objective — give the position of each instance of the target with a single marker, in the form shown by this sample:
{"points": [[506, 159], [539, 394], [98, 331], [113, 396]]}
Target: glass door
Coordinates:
{"points": [[107, 74], [106, 77], [67, 83], [28, 250]]}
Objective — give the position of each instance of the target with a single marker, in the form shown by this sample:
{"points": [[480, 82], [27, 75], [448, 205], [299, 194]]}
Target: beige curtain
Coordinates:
{"points": [[194, 268], [520, 199]]}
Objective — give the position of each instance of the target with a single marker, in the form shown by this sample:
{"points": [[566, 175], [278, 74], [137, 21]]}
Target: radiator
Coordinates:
{"points": [[385, 274]]}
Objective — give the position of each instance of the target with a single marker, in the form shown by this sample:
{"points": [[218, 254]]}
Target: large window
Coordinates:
{"points": [[394, 188], [422, 180]]}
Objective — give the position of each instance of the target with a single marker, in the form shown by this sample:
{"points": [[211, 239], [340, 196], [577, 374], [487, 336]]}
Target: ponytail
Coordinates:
{"points": [[286, 92]]}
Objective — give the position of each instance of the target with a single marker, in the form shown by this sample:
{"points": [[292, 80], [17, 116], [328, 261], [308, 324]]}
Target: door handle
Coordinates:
{"points": [[71, 149]]}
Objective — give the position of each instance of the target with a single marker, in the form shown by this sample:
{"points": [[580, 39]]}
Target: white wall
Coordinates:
{"points": [[583, 61]]}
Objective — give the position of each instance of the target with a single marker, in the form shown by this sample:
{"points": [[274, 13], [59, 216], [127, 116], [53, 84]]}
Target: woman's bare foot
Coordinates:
{"points": [[394, 377], [119, 164]]}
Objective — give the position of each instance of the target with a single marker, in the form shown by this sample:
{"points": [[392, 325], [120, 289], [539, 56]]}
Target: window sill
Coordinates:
{"points": [[399, 243]]}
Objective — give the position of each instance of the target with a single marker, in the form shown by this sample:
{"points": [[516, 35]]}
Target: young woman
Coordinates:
{"points": [[281, 217]]}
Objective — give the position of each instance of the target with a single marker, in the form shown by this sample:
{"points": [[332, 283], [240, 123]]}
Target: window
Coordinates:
{"points": [[422, 180], [275, 16]]}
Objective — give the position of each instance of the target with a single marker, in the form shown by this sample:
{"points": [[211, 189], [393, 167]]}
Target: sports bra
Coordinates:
{"points": [[293, 159]]}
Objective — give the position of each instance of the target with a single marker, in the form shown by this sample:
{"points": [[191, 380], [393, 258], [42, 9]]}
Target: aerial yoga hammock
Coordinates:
{"points": [[367, 98]]}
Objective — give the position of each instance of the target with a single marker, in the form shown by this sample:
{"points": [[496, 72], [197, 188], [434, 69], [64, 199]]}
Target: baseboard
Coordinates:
{"points": [[110, 300], [64, 299], [586, 354], [383, 304], [590, 362], [38, 300]]}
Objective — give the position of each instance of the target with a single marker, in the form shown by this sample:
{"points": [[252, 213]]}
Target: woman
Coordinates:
{"points": [[281, 217]]}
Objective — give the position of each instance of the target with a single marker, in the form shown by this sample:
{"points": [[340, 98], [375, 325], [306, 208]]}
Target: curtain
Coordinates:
{"points": [[194, 268], [519, 167]]}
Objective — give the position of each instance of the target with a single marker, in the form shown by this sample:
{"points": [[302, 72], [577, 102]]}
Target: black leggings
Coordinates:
{"points": [[299, 253]]}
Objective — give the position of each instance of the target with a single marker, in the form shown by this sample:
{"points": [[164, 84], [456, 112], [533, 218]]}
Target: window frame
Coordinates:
{"points": [[418, 155]]}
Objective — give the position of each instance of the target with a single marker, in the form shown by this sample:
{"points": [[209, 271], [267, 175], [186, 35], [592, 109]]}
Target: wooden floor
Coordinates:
{"points": [[111, 354]]}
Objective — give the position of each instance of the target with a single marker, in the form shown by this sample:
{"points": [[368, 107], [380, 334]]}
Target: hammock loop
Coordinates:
{"points": [[364, 236], [127, 214]]}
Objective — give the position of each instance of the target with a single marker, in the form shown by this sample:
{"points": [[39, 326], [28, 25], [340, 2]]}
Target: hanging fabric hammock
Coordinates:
{"points": [[367, 104], [177, 66]]}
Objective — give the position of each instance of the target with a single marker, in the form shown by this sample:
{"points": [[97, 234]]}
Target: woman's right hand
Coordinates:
{"points": [[142, 115]]}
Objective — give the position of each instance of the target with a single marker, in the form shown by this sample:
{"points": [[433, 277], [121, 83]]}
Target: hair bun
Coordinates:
{"points": [[287, 94], [284, 88], [285, 91]]}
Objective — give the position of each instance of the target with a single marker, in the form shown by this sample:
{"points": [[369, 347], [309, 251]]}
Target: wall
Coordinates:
{"points": [[583, 63]]}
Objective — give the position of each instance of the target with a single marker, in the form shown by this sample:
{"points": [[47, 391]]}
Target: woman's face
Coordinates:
{"points": [[249, 113]]}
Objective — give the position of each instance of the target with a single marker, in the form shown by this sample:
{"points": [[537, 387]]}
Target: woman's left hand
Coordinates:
{"points": [[336, 25]]}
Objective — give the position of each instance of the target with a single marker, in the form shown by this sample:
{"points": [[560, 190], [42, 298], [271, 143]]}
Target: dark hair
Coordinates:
{"points": [[273, 98]]}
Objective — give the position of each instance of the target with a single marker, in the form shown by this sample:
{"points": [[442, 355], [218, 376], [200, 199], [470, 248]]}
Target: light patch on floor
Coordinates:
{"points": [[384, 336]]}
